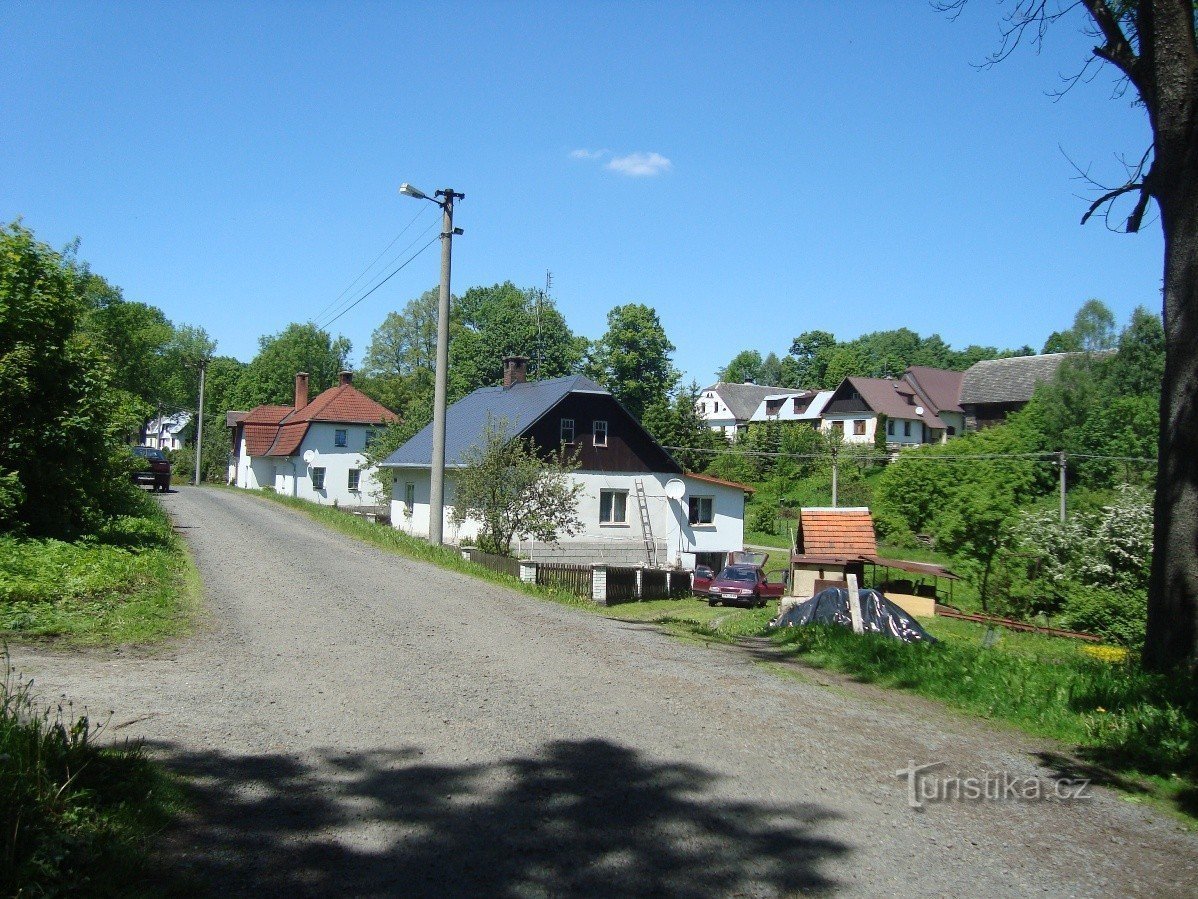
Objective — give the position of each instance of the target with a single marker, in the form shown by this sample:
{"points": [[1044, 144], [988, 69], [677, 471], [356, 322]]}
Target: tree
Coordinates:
{"points": [[270, 377], [514, 492], [674, 422], [744, 367], [633, 358], [1094, 326], [771, 370], [1154, 46], [400, 362], [810, 353]]}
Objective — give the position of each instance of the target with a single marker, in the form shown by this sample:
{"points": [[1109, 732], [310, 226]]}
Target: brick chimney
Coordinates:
{"points": [[301, 389], [345, 377], [515, 370]]}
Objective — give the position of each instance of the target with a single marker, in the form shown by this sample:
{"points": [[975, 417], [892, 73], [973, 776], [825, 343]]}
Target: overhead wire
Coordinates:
{"points": [[382, 282], [939, 457]]}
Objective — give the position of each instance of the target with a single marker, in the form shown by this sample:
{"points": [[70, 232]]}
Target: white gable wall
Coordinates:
{"points": [[292, 476]]}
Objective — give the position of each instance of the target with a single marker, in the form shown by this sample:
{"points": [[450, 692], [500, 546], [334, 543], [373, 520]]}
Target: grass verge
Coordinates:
{"points": [[75, 818], [132, 581]]}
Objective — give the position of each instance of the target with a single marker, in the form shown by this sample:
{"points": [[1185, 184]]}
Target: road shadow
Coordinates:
{"points": [[585, 818]]}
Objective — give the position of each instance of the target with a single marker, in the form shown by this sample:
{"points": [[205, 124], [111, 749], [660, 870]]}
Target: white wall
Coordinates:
{"points": [[669, 519], [291, 476]]}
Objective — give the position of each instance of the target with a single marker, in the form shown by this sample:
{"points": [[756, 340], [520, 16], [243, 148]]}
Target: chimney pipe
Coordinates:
{"points": [[301, 390], [345, 377], [515, 370]]}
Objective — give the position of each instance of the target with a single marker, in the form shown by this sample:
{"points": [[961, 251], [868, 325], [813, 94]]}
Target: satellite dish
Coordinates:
{"points": [[309, 455], [919, 410], [675, 489]]}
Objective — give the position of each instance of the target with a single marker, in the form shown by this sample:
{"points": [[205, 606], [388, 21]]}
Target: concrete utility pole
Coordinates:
{"points": [[835, 478], [200, 421], [1062, 464], [437, 486]]}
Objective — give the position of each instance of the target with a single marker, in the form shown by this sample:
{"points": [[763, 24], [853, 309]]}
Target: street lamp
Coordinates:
{"points": [[437, 488]]}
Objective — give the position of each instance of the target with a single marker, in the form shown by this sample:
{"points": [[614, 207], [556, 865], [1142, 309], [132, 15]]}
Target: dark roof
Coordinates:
{"points": [[1011, 380], [940, 387], [522, 405], [894, 398], [279, 430], [742, 400]]}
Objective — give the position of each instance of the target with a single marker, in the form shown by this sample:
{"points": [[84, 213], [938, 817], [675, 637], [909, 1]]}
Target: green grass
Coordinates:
{"points": [[75, 819], [131, 582]]}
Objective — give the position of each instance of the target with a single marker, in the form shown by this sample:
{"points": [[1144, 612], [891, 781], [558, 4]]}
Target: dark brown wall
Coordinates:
{"points": [[846, 399], [629, 447]]}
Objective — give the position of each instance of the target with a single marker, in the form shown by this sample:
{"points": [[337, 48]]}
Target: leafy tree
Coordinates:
{"points": [[745, 366], [1094, 327], [270, 377], [62, 422], [810, 354], [633, 358], [399, 365], [1154, 46], [1062, 342], [771, 371], [490, 323], [514, 492], [673, 422]]}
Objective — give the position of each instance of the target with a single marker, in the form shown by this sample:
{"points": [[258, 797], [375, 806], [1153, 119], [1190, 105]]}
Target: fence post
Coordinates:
{"points": [[599, 583], [528, 571], [640, 582], [467, 556]]}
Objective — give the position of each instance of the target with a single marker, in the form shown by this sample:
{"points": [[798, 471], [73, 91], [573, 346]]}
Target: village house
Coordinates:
{"points": [[806, 406], [994, 388], [728, 408], [313, 449], [637, 505], [167, 432], [920, 407]]}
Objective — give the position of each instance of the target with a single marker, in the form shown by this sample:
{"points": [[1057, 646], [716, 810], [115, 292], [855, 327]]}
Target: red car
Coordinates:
{"points": [[737, 585]]}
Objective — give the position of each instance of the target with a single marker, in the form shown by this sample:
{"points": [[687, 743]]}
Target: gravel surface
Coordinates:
{"points": [[356, 723]]}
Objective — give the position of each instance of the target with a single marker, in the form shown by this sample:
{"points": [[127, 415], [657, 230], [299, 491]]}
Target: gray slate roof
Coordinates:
{"points": [[1010, 380], [742, 400], [521, 404]]}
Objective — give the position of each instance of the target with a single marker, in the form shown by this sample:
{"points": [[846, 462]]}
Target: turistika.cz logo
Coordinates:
{"points": [[925, 783]]}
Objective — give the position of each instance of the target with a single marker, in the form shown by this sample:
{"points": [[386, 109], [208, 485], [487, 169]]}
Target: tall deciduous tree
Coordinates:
{"points": [[744, 367], [270, 377], [633, 358], [1154, 45]]}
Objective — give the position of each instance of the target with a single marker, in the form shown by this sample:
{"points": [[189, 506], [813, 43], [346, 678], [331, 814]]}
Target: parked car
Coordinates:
{"points": [[743, 585], [154, 468], [701, 581]]}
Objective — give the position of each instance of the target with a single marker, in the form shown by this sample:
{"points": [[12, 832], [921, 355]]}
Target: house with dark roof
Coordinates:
{"points": [[637, 505], [313, 449], [920, 407], [728, 408], [994, 388]]}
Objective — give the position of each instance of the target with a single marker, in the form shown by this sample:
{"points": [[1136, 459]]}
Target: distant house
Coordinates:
{"points": [[993, 389], [167, 432], [806, 406], [920, 407], [313, 449], [626, 514], [728, 408]]}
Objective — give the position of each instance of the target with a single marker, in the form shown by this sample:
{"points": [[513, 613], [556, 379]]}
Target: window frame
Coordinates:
{"points": [[595, 432], [694, 512], [341, 437], [611, 520], [890, 428], [353, 480], [409, 495], [858, 427], [906, 427], [318, 475], [567, 424]]}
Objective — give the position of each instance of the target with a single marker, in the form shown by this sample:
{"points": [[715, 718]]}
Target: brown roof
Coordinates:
{"points": [[894, 399], [710, 480], [845, 533], [939, 386], [279, 430]]}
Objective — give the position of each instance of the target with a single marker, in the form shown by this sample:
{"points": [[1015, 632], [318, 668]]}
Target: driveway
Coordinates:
{"points": [[356, 723]]}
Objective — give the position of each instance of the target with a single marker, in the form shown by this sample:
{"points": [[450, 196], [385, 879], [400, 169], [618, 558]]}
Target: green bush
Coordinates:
{"points": [[1117, 615]]}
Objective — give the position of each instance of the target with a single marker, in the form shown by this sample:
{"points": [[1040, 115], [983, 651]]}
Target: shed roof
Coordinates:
{"points": [[843, 532], [940, 387], [1011, 380]]}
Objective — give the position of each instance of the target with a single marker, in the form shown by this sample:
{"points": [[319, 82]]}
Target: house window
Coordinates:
{"points": [[318, 479], [890, 427], [859, 427], [702, 408], [567, 430], [613, 506], [599, 431], [838, 426], [906, 429], [951, 430], [701, 510], [341, 437], [355, 478], [371, 436], [409, 496]]}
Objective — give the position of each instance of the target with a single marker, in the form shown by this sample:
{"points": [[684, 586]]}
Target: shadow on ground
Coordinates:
{"points": [[588, 818]]}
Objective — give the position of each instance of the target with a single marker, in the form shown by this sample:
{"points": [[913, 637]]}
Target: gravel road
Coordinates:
{"points": [[358, 724]]}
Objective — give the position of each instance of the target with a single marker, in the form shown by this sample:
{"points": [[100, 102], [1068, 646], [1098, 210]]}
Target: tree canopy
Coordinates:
{"points": [[633, 358]]}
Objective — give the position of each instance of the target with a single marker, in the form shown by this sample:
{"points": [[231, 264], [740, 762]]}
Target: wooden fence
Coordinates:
{"points": [[504, 564], [621, 584], [574, 578]]}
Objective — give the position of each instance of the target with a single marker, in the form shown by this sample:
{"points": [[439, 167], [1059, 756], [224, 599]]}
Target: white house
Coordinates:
{"points": [[806, 406], [728, 408], [920, 407], [637, 506], [165, 433], [314, 449]]}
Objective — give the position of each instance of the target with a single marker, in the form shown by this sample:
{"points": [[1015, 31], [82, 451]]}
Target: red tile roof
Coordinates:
{"points": [[836, 532], [279, 430]]}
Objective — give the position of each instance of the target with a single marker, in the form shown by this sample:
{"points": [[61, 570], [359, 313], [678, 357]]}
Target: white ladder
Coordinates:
{"points": [[646, 524]]}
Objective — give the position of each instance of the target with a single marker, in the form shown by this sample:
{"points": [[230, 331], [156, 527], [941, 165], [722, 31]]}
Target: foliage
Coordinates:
{"points": [[513, 492], [270, 376], [673, 422], [744, 367], [387, 439], [633, 358], [75, 818]]}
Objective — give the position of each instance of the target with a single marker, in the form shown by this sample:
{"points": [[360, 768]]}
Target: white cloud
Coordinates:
{"points": [[588, 154], [640, 165]]}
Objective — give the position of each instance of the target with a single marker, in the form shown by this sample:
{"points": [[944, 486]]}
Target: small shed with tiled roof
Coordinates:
{"points": [[831, 543], [314, 449]]}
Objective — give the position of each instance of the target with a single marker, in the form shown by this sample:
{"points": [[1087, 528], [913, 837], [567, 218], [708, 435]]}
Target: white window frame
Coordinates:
{"points": [[696, 519], [567, 427], [341, 437], [599, 426], [611, 496], [318, 478], [354, 480]]}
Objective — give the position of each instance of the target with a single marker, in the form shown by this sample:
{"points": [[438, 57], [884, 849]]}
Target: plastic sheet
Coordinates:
{"points": [[878, 615]]}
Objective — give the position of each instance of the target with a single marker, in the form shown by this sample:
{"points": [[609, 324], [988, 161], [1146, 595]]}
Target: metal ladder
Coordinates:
{"points": [[646, 524]]}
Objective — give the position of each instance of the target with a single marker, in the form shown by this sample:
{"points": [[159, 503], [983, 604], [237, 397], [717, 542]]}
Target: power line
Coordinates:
{"points": [[381, 283], [854, 457], [386, 249]]}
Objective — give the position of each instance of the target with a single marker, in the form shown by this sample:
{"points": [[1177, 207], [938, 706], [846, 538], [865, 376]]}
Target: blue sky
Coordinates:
{"points": [[750, 170]]}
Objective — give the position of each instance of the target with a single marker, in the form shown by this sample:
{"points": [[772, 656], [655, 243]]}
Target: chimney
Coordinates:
{"points": [[345, 377], [515, 370], [749, 380], [301, 390]]}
